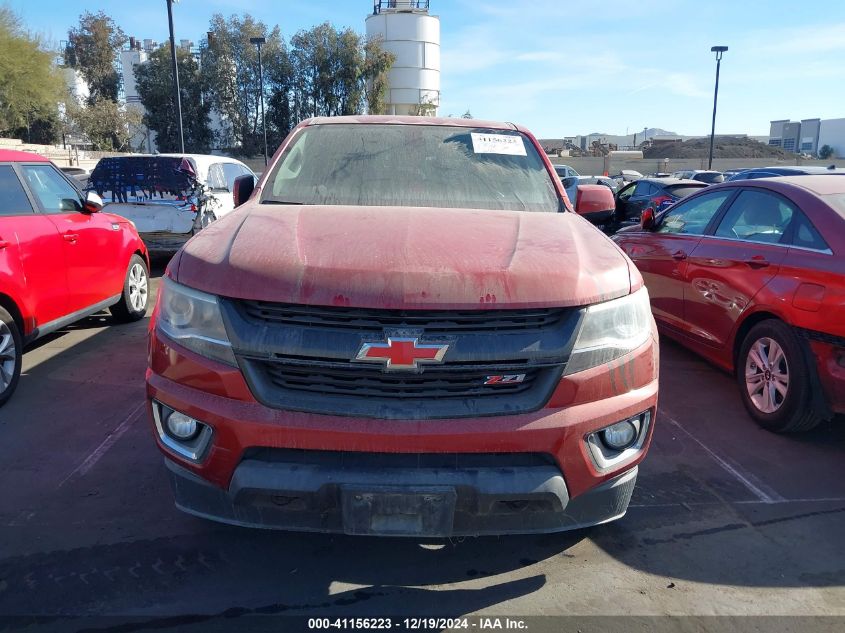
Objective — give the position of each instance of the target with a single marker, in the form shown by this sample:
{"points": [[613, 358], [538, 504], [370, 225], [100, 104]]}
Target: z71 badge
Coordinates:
{"points": [[506, 379]]}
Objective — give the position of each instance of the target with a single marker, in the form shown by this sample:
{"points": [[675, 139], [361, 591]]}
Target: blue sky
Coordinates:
{"points": [[565, 67]]}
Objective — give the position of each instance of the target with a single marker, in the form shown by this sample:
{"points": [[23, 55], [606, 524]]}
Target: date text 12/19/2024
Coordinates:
{"points": [[418, 624]]}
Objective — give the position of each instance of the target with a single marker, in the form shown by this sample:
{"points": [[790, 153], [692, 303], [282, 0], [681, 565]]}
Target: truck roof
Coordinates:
{"points": [[388, 119]]}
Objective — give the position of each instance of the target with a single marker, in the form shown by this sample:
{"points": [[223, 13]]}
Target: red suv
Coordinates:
{"points": [[60, 259], [405, 331], [751, 275]]}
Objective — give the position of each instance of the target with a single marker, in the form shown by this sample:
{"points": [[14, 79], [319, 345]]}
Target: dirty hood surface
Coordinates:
{"points": [[389, 257]]}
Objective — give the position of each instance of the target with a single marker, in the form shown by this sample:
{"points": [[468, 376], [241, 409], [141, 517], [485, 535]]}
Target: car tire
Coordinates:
{"points": [[136, 292], [775, 380], [11, 356]]}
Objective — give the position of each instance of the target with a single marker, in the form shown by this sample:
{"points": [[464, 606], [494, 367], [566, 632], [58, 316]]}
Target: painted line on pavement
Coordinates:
{"points": [[743, 478], [104, 446], [680, 504]]}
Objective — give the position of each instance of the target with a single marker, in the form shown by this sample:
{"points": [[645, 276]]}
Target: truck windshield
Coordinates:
{"points": [[412, 166]]}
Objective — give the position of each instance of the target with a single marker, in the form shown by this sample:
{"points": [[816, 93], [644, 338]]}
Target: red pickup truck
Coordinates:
{"points": [[405, 330], [61, 259]]}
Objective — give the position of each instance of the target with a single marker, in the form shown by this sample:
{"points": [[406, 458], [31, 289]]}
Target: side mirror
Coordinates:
{"points": [[243, 188], [647, 219], [93, 203], [595, 203]]}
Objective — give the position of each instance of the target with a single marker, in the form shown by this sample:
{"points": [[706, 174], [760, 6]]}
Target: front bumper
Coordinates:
{"points": [[424, 502], [564, 489], [829, 353]]}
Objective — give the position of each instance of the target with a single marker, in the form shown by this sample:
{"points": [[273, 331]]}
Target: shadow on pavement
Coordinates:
{"points": [[217, 570]]}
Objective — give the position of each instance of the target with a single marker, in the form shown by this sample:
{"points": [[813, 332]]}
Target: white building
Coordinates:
{"points": [[129, 60], [832, 132], [77, 86], [809, 135], [406, 29]]}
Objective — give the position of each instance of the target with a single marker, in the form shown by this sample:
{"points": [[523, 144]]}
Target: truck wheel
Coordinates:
{"points": [[11, 355], [136, 291], [774, 379]]}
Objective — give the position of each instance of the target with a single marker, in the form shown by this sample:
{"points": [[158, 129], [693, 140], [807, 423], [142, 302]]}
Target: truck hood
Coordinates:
{"points": [[401, 257]]}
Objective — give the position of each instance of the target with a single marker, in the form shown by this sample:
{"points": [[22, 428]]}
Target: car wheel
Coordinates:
{"points": [[136, 292], [774, 379], [11, 356]]}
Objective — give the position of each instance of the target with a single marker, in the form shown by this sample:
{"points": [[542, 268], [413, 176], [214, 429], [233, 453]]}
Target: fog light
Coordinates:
{"points": [[620, 436], [182, 427]]}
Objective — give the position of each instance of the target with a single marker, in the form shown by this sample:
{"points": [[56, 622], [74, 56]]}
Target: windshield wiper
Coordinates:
{"points": [[280, 202]]}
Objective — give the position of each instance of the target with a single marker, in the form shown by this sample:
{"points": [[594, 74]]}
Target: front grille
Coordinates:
{"points": [[369, 460], [433, 321], [357, 381], [302, 358]]}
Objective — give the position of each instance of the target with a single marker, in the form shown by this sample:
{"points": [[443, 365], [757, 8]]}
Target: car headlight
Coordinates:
{"points": [[193, 319], [610, 330]]}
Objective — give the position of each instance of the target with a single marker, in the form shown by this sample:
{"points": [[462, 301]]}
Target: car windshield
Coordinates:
{"points": [[682, 191], [412, 166], [710, 177]]}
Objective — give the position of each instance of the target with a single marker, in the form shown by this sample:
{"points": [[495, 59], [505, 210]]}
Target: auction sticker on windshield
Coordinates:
{"points": [[497, 144]]}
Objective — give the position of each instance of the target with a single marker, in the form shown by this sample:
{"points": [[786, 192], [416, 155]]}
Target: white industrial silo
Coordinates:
{"points": [[413, 36]]}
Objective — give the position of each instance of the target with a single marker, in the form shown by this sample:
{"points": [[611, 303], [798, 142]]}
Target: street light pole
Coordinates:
{"points": [[719, 50], [258, 41], [176, 92]]}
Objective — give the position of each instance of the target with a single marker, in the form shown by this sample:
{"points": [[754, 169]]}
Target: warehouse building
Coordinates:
{"points": [[809, 135]]}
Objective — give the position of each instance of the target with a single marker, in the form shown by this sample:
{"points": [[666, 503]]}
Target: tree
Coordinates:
{"points": [[30, 85], [466, 115], [324, 72], [92, 48], [825, 152], [377, 63], [337, 73], [231, 79], [108, 125], [155, 87]]}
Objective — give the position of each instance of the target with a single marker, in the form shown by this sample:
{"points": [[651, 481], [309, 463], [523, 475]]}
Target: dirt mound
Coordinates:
{"points": [[724, 147]]}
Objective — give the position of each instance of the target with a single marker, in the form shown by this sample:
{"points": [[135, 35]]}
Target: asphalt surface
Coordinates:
{"points": [[727, 519]]}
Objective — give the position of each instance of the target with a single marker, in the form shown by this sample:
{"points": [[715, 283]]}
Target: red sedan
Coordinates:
{"points": [[751, 275]]}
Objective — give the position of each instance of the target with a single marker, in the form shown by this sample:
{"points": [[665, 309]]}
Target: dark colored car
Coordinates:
{"points": [[657, 193], [404, 330], [751, 275], [702, 175], [730, 173], [774, 172]]}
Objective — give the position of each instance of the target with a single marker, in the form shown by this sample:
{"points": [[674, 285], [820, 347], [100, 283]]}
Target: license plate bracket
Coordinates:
{"points": [[398, 511]]}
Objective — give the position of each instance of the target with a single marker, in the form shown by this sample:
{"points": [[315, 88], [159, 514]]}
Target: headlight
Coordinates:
{"points": [[192, 319], [610, 330]]}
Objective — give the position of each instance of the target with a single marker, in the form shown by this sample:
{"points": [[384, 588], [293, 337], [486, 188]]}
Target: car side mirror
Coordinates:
{"points": [[647, 219], [93, 203], [243, 188], [595, 203]]}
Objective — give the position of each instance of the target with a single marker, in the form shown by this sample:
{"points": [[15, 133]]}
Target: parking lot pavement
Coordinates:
{"points": [[726, 519]]}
